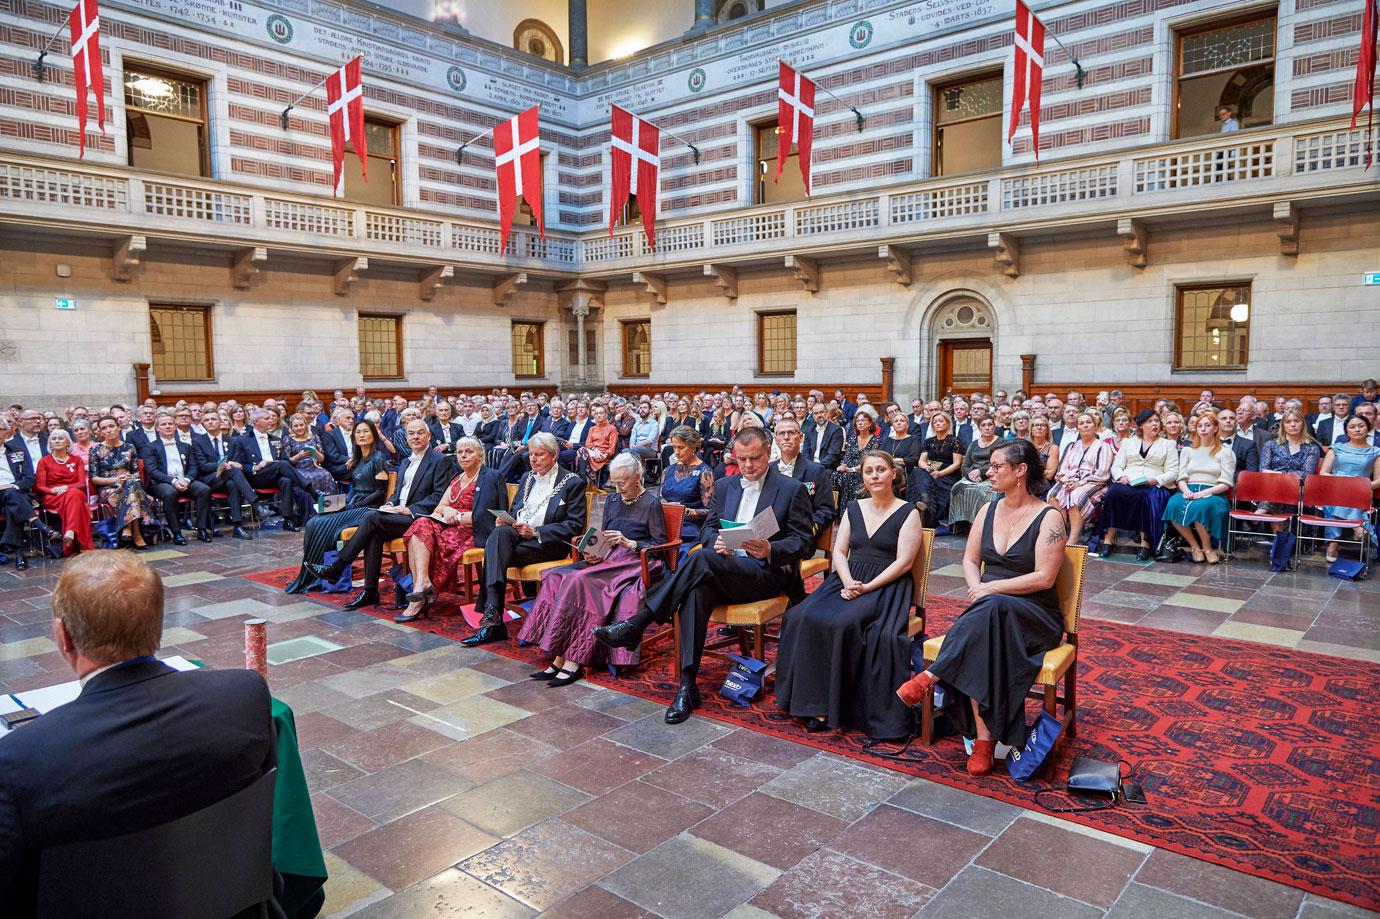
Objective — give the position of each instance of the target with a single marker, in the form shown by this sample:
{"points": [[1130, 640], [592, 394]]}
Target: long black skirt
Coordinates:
{"points": [[842, 660], [1132, 509], [923, 487], [993, 654]]}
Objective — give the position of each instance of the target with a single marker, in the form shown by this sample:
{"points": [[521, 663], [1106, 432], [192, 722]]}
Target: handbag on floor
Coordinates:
{"points": [[744, 680], [1348, 570], [1097, 779], [340, 585], [1023, 763], [1282, 551]]}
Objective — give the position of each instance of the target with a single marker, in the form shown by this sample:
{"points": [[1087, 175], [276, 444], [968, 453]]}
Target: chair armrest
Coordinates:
{"points": [[672, 550]]}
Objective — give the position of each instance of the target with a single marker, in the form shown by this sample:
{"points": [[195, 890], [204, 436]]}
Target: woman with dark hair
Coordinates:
{"points": [[991, 656], [844, 648], [114, 470], [688, 481], [1145, 469], [368, 465]]}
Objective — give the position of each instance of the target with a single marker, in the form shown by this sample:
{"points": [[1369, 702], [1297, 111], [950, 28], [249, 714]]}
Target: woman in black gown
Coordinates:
{"points": [[991, 656], [845, 647]]}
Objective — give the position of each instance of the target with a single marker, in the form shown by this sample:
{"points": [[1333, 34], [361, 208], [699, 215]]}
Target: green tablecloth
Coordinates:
{"points": [[296, 845]]}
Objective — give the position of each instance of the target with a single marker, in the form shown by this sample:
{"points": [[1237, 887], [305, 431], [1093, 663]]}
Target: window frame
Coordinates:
{"points": [[1179, 291], [626, 329], [762, 317], [540, 325], [761, 178], [397, 344], [157, 70], [206, 310], [1198, 28], [395, 179], [936, 99]]}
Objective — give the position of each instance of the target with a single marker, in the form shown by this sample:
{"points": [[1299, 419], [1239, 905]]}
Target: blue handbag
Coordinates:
{"points": [[339, 586], [1022, 764], [744, 680], [1348, 570], [1282, 551]]}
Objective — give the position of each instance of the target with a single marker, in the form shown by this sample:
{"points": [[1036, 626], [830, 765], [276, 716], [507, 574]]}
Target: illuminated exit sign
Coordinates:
{"points": [[67, 303], [1373, 277]]}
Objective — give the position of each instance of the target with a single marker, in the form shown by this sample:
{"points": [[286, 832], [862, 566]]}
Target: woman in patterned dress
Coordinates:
{"points": [[1084, 472], [114, 469], [303, 450]]}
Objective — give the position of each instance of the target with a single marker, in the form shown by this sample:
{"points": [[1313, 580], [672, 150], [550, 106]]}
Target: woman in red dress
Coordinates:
{"points": [[61, 481], [461, 521]]}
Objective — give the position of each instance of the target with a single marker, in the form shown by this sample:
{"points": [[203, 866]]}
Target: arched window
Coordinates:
{"points": [[729, 10], [539, 40]]}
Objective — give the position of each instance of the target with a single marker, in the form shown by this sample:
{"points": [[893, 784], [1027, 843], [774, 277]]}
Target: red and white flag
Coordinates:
{"points": [[84, 22], [635, 155], [1363, 94], [345, 112], [517, 160], [1028, 73], [795, 120]]}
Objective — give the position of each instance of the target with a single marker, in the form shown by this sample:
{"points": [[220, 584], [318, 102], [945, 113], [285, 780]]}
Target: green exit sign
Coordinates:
{"points": [[65, 303], [1373, 277]]}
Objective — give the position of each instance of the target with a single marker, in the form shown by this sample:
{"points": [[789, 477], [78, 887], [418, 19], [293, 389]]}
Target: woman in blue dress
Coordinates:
{"points": [[303, 450], [688, 481], [1356, 457]]}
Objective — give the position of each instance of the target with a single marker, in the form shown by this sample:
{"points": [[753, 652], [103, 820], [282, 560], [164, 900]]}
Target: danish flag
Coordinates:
{"points": [[345, 112], [1363, 91], [517, 160], [1029, 73], [635, 154], [84, 22], [795, 120]]}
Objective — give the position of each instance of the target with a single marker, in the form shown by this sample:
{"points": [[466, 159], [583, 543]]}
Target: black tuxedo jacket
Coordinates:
{"points": [[561, 428], [584, 433], [1328, 430], [141, 746], [919, 427], [205, 456], [517, 431], [140, 439], [819, 485], [16, 445], [790, 502], [1247, 455], [156, 463], [19, 468], [490, 494], [335, 443], [965, 433], [437, 440], [246, 450], [428, 482], [565, 511], [831, 452]]}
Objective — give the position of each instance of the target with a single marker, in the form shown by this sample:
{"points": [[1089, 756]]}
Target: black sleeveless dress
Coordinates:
{"points": [[842, 660], [995, 649]]}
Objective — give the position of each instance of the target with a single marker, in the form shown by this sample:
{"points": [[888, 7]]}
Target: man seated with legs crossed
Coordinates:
{"points": [[422, 479], [716, 574], [550, 514], [173, 475], [211, 453], [257, 451]]}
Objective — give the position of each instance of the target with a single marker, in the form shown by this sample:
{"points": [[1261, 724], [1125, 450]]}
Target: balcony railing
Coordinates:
{"points": [[1283, 161]]}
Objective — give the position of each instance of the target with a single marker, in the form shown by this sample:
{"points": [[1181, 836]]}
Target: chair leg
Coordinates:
{"points": [[927, 718], [1071, 698], [1052, 699]]}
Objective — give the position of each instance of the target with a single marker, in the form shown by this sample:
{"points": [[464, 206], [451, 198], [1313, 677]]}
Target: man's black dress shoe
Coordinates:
{"points": [[365, 597], [292, 526], [240, 532], [20, 562], [686, 701], [179, 539], [1144, 555], [619, 635], [323, 573], [203, 535], [1103, 550], [487, 635]]}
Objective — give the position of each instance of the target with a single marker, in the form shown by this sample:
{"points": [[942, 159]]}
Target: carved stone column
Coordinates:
{"points": [[580, 297], [704, 16], [888, 378], [1028, 373], [579, 35]]}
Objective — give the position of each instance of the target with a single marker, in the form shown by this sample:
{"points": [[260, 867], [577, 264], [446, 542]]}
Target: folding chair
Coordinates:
{"points": [[1350, 492], [1253, 487]]}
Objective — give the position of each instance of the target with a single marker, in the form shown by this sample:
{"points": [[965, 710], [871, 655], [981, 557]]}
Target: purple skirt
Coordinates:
{"points": [[576, 599]]}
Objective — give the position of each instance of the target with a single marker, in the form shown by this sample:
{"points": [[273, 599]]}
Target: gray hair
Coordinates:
{"points": [[258, 413], [56, 432], [628, 461], [544, 441], [474, 442]]}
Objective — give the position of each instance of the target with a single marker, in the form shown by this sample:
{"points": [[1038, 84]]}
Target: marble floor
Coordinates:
{"points": [[446, 783]]}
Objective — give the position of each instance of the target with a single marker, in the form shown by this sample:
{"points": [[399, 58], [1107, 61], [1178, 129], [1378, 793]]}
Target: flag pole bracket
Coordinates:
{"points": [[38, 65]]}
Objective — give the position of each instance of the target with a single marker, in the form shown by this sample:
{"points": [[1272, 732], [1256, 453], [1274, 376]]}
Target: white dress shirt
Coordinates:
{"points": [[533, 510], [31, 441], [787, 469], [265, 446], [468, 423], [6, 473], [747, 505], [819, 439], [174, 458], [185, 437], [577, 430], [414, 462]]}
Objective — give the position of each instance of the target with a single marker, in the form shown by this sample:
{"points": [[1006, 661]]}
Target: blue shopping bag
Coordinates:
{"points": [[1023, 763], [340, 586], [744, 680]]}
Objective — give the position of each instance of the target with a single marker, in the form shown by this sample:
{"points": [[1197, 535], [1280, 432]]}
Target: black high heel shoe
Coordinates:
{"points": [[424, 612], [565, 677]]}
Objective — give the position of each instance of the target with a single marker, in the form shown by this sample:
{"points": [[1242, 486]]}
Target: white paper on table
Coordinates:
{"points": [[763, 526], [50, 697]]}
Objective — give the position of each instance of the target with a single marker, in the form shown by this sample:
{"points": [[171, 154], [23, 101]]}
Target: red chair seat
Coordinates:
{"points": [[1310, 520], [1260, 518]]}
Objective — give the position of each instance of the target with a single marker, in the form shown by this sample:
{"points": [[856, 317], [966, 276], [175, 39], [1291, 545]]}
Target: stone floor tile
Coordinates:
{"points": [[669, 741], [1139, 901], [386, 746], [403, 852], [325, 771], [546, 863], [598, 766], [1125, 842], [252, 609], [712, 776], [349, 889], [28, 647], [924, 850], [1068, 863], [490, 755], [770, 830], [690, 878], [1348, 651], [1126, 599], [534, 695], [382, 708], [1263, 634], [505, 668], [842, 789], [446, 688], [637, 816], [1193, 600], [596, 903], [452, 894], [363, 655], [565, 726], [190, 577], [952, 805], [618, 704], [315, 729], [1182, 619], [764, 748], [1250, 896], [390, 793], [513, 802], [336, 823], [309, 697], [830, 884], [179, 634], [977, 892], [1316, 907], [469, 717], [360, 683]]}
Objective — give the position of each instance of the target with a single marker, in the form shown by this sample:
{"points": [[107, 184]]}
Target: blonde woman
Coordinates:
{"points": [[1199, 510], [1084, 471]]}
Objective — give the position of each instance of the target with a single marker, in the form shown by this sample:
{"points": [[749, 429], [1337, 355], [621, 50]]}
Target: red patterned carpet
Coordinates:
{"points": [[1257, 758]]}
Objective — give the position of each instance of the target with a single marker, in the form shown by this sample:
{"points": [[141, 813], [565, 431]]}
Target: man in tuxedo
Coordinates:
{"points": [[16, 510], [142, 745], [1324, 410], [445, 431], [1332, 428], [143, 432], [182, 418], [549, 514], [965, 429], [717, 574], [215, 468], [31, 441], [823, 443], [574, 439], [256, 450], [1247, 454], [919, 419], [336, 442], [817, 479], [173, 474], [422, 479], [849, 408]]}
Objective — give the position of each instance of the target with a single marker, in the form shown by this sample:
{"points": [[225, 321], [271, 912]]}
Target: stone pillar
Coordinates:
{"points": [[888, 378], [580, 297], [579, 35], [1028, 373], [141, 382], [704, 16]]}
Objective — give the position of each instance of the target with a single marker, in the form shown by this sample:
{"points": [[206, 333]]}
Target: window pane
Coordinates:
{"points": [[975, 99], [1250, 93], [969, 146], [637, 349], [381, 187], [165, 123], [527, 349], [1230, 46], [791, 186], [1214, 327], [181, 342], [777, 332], [378, 346], [164, 95]]}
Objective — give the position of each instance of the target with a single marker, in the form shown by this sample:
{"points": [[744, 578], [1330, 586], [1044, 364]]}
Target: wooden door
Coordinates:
{"points": [[965, 366]]}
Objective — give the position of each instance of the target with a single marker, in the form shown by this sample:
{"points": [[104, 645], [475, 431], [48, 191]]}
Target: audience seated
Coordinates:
{"points": [[212, 453], [31, 442], [688, 481], [1294, 451], [1044, 443], [62, 488], [1084, 471], [1146, 467], [173, 474], [258, 451], [972, 490], [301, 448], [898, 441], [1242, 442], [445, 431], [1356, 456], [933, 479], [1198, 510], [16, 510], [817, 480], [142, 744], [337, 440], [601, 443], [863, 435]]}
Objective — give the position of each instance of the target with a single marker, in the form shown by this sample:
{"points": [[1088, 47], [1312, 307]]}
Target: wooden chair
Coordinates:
{"points": [[920, 574], [517, 576], [472, 561], [820, 564], [674, 515], [394, 547], [1060, 664]]}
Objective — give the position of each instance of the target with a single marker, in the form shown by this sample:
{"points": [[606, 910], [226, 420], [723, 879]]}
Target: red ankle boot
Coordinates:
{"points": [[980, 762], [912, 691]]}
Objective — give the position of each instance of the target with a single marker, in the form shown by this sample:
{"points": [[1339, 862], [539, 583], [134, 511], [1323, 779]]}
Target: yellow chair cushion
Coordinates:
{"points": [[472, 556], [533, 572], [813, 566], [758, 612], [1056, 662], [396, 545], [346, 533]]}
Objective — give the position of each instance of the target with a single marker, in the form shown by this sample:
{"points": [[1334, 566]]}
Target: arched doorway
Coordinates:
{"points": [[962, 332]]}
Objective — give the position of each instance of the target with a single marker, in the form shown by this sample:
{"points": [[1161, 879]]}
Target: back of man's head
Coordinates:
{"points": [[111, 606]]}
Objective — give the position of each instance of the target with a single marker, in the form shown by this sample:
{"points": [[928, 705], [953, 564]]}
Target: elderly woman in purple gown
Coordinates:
{"points": [[575, 599]]}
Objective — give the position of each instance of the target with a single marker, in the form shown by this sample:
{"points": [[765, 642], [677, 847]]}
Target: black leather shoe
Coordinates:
{"points": [[240, 533], [619, 635], [1103, 550], [322, 572], [179, 539], [292, 526], [203, 535], [487, 635], [686, 701], [365, 597], [20, 562], [1144, 554]]}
